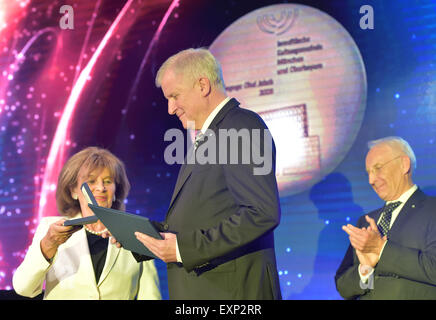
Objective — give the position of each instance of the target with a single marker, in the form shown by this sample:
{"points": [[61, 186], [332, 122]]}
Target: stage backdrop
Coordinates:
{"points": [[326, 76]]}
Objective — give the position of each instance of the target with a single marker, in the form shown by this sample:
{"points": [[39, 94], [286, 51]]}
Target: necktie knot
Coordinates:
{"points": [[385, 222], [392, 206], [199, 136]]}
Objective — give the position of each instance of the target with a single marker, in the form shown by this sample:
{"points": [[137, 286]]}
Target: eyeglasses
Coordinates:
{"points": [[377, 168]]}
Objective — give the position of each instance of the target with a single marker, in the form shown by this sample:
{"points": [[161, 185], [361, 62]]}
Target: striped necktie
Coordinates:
{"points": [[199, 137], [385, 221]]}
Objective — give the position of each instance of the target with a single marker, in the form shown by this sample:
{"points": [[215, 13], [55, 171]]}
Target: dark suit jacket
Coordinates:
{"points": [[224, 217], [407, 267]]}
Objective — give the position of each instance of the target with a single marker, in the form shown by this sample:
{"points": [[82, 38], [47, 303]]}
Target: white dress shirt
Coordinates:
{"points": [[213, 114]]}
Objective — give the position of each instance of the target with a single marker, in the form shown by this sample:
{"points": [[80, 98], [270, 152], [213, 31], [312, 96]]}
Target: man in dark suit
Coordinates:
{"points": [[218, 231], [394, 258]]}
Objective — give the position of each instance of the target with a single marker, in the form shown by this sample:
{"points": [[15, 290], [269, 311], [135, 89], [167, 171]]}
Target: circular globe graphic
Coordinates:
{"points": [[301, 71]]}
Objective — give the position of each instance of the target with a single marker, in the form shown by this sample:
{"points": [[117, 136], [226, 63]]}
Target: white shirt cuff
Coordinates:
{"points": [[179, 258], [364, 278]]}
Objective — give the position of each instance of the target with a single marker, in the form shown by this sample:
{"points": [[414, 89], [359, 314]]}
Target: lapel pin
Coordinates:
{"points": [[413, 206]]}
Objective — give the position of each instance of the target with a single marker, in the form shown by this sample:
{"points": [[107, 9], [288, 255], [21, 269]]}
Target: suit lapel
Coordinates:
{"points": [[376, 215], [184, 173], [111, 257], [186, 169], [223, 112], [410, 207], [87, 271]]}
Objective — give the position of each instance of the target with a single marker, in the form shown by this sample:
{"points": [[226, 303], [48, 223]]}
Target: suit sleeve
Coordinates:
{"points": [[29, 277], [258, 211], [416, 265], [347, 276], [415, 262]]}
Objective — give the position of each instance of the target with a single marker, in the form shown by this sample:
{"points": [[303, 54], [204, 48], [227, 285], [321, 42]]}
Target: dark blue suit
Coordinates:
{"points": [[407, 267], [224, 217]]}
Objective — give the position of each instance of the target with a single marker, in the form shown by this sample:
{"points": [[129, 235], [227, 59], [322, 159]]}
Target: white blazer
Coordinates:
{"points": [[71, 274]]}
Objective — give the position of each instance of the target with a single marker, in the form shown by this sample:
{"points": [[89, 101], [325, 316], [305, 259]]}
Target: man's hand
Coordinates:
{"points": [[366, 240], [164, 249]]}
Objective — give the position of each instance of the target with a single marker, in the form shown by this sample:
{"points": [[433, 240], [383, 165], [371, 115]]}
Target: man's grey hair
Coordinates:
{"points": [[193, 64], [396, 143]]}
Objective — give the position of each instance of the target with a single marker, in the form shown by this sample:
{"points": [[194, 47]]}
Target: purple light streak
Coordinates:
{"points": [[56, 155]]}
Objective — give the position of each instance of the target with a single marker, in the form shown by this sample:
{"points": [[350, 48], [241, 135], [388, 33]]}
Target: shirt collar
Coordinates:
{"points": [[406, 195], [213, 114]]}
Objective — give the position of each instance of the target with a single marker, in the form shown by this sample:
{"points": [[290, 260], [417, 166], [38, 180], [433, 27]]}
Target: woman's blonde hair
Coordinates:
{"points": [[78, 167]]}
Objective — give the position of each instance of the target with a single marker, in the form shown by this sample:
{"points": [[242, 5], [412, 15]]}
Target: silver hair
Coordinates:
{"points": [[396, 143], [193, 64]]}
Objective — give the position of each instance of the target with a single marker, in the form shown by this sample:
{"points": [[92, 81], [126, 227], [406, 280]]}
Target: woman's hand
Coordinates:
{"points": [[56, 235]]}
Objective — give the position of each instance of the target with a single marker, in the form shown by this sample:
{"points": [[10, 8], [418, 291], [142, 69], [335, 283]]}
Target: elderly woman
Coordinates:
{"points": [[77, 263]]}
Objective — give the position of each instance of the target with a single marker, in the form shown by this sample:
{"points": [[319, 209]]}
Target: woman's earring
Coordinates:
{"points": [[75, 196]]}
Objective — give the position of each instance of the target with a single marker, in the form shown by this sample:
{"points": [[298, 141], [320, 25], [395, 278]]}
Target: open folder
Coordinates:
{"points": [[86, 220], [81, 221], [123, 225]]}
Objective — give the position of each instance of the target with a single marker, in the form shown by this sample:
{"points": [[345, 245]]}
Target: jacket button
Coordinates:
{"points": [[166, 226]]}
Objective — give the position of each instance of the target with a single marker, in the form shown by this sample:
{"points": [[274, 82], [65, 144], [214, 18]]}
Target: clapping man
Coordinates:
{"points": [[392, 252]]}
